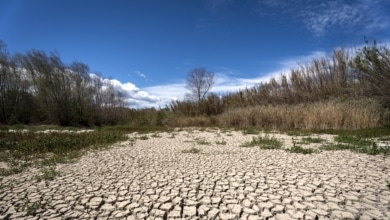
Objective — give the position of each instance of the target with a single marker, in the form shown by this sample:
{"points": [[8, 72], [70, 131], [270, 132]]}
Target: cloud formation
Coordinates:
{"points": [[321, 17], [134, 96], [140, 74]]}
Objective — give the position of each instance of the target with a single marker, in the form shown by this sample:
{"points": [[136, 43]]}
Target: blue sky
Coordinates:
{"points": [[147, 47]]}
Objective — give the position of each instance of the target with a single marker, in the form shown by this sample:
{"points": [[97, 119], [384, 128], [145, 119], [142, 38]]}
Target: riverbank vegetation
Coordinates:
{"points": [[347, 94], [347, 90]]}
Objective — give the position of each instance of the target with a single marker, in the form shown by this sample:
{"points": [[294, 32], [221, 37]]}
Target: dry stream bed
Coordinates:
{"points": [[193, 174]]}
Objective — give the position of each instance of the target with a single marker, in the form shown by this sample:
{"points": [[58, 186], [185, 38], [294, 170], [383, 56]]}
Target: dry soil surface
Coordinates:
{"points": [[161, 178]]}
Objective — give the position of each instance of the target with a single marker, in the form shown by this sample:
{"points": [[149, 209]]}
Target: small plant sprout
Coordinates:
{"points": [[30, 207], [298, 149], [222, 142], [251, 131], [144, 137], [173, 135], [48, 174], [156, 135], [193, 150], [202, 141]]}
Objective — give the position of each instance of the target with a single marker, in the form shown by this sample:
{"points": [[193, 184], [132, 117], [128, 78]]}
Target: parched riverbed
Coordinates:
{"points": [[192, 174]]}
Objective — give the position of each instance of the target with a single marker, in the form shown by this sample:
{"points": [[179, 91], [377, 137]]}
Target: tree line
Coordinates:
{"points": [[364, 73], [37, 87]]}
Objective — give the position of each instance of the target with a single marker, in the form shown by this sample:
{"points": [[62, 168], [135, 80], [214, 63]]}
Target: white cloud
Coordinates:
{"points": [[293, 62], [334, 13], [363, 14], [139, 73], [135, 97], [322, 17], [167, 93]]}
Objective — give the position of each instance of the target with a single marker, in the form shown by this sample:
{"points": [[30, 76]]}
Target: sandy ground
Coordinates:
{"points": [[157, 178]]}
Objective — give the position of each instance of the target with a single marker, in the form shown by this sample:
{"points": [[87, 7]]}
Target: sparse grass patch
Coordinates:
{"points": [[173, 135], [387, 138], [48, 173], [156, 135], [22, 149], [11, 170], [222, 142], [224, 130], [309, 140], [145, 129], [371, 150], [265, 142], [143, 137], [202, 141], [298, 133], [132, 141], [193, 150], [335, 146], [354, 140], [31, 208], [251, 131], [300, 150]]}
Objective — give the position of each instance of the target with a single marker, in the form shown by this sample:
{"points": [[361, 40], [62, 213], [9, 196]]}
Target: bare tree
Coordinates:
{"points": [[199, 82]]}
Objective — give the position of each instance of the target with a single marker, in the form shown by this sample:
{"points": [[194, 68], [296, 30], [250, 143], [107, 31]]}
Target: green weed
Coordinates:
{"points": [[22, 149], [357, 141], [371, 150], [223, 142], [251, 131], [31, 208], [309, 140], [48, 173], [144, 137], [202, 141], [300, 150], [386, 138], [193, 150], [173, 135], [265, 142], [335, 146], [156, 135], [298, 133]]}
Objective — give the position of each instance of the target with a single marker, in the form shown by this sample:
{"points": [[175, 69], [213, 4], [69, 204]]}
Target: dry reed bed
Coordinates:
{"points": [[331, 114], [320, 115]]}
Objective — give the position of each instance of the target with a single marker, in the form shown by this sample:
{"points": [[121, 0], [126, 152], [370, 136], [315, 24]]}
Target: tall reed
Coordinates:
{"points": [[333, 114]]}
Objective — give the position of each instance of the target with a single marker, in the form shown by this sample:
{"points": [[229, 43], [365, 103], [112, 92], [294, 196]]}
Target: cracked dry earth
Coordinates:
{"points": [[158, 178]]}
